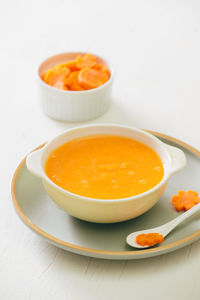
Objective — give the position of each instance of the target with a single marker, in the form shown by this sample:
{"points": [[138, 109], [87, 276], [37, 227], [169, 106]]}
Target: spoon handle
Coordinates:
{"points": [[172, 224]]}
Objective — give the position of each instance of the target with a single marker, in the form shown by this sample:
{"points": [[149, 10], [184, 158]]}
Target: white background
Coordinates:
{"points": [[154, 47]]}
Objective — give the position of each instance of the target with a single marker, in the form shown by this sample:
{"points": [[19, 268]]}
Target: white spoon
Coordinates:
{"points": [[163, 229]]}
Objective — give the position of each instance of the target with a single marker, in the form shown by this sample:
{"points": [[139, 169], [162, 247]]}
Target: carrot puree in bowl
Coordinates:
{"points": [[83, 73], [104, 167]]}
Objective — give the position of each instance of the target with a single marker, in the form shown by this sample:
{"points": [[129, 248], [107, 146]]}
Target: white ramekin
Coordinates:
{"points": [[106, 211], [72, 106]]}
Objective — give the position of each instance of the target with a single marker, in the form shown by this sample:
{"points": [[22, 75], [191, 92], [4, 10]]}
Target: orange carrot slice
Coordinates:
{"points": [[149, 239], [72, 82], [101, 67], [56, 74], [71, 65], [86, 61], [60, 85], [106, 70], [90, 78], [185, 200]]}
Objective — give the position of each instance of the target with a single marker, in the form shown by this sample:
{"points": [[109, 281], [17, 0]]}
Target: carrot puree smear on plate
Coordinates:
{"points": [[83, 73], [149, 239], [185, 200]]}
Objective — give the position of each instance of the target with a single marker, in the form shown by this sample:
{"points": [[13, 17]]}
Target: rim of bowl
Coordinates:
{"points": [[76, 92], [163, 181]]}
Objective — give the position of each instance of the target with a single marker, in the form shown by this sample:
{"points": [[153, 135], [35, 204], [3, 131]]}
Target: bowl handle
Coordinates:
{"points": [[33, 162], [178, 159]]}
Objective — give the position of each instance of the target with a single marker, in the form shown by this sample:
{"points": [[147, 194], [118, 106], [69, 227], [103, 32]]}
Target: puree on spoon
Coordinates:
{"points": [[105, 167]]}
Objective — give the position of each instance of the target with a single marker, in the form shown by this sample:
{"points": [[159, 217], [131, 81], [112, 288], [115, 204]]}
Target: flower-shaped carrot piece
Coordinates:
{"points": [[71, 65], [55, 75], [86, 61], [149, 239], [90, 78], [185, 200], [72, 82]]}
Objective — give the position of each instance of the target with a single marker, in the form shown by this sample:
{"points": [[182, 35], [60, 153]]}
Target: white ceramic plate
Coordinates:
{"points": [[40, 214]]}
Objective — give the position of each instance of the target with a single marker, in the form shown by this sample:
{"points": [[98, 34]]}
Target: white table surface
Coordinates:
{"points": [[154, 47]]}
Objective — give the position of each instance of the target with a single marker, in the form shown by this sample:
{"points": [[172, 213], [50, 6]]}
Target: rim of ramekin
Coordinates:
{"points": [[54, 89]]}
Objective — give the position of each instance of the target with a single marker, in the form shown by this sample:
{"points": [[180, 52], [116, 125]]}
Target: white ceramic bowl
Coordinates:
{"points": [[73, 106], [107, 211]]}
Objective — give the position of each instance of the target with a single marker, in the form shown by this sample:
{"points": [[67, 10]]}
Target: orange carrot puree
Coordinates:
{"points": [[185, 200], [105, 167], [83, 73], [149, 239]]}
